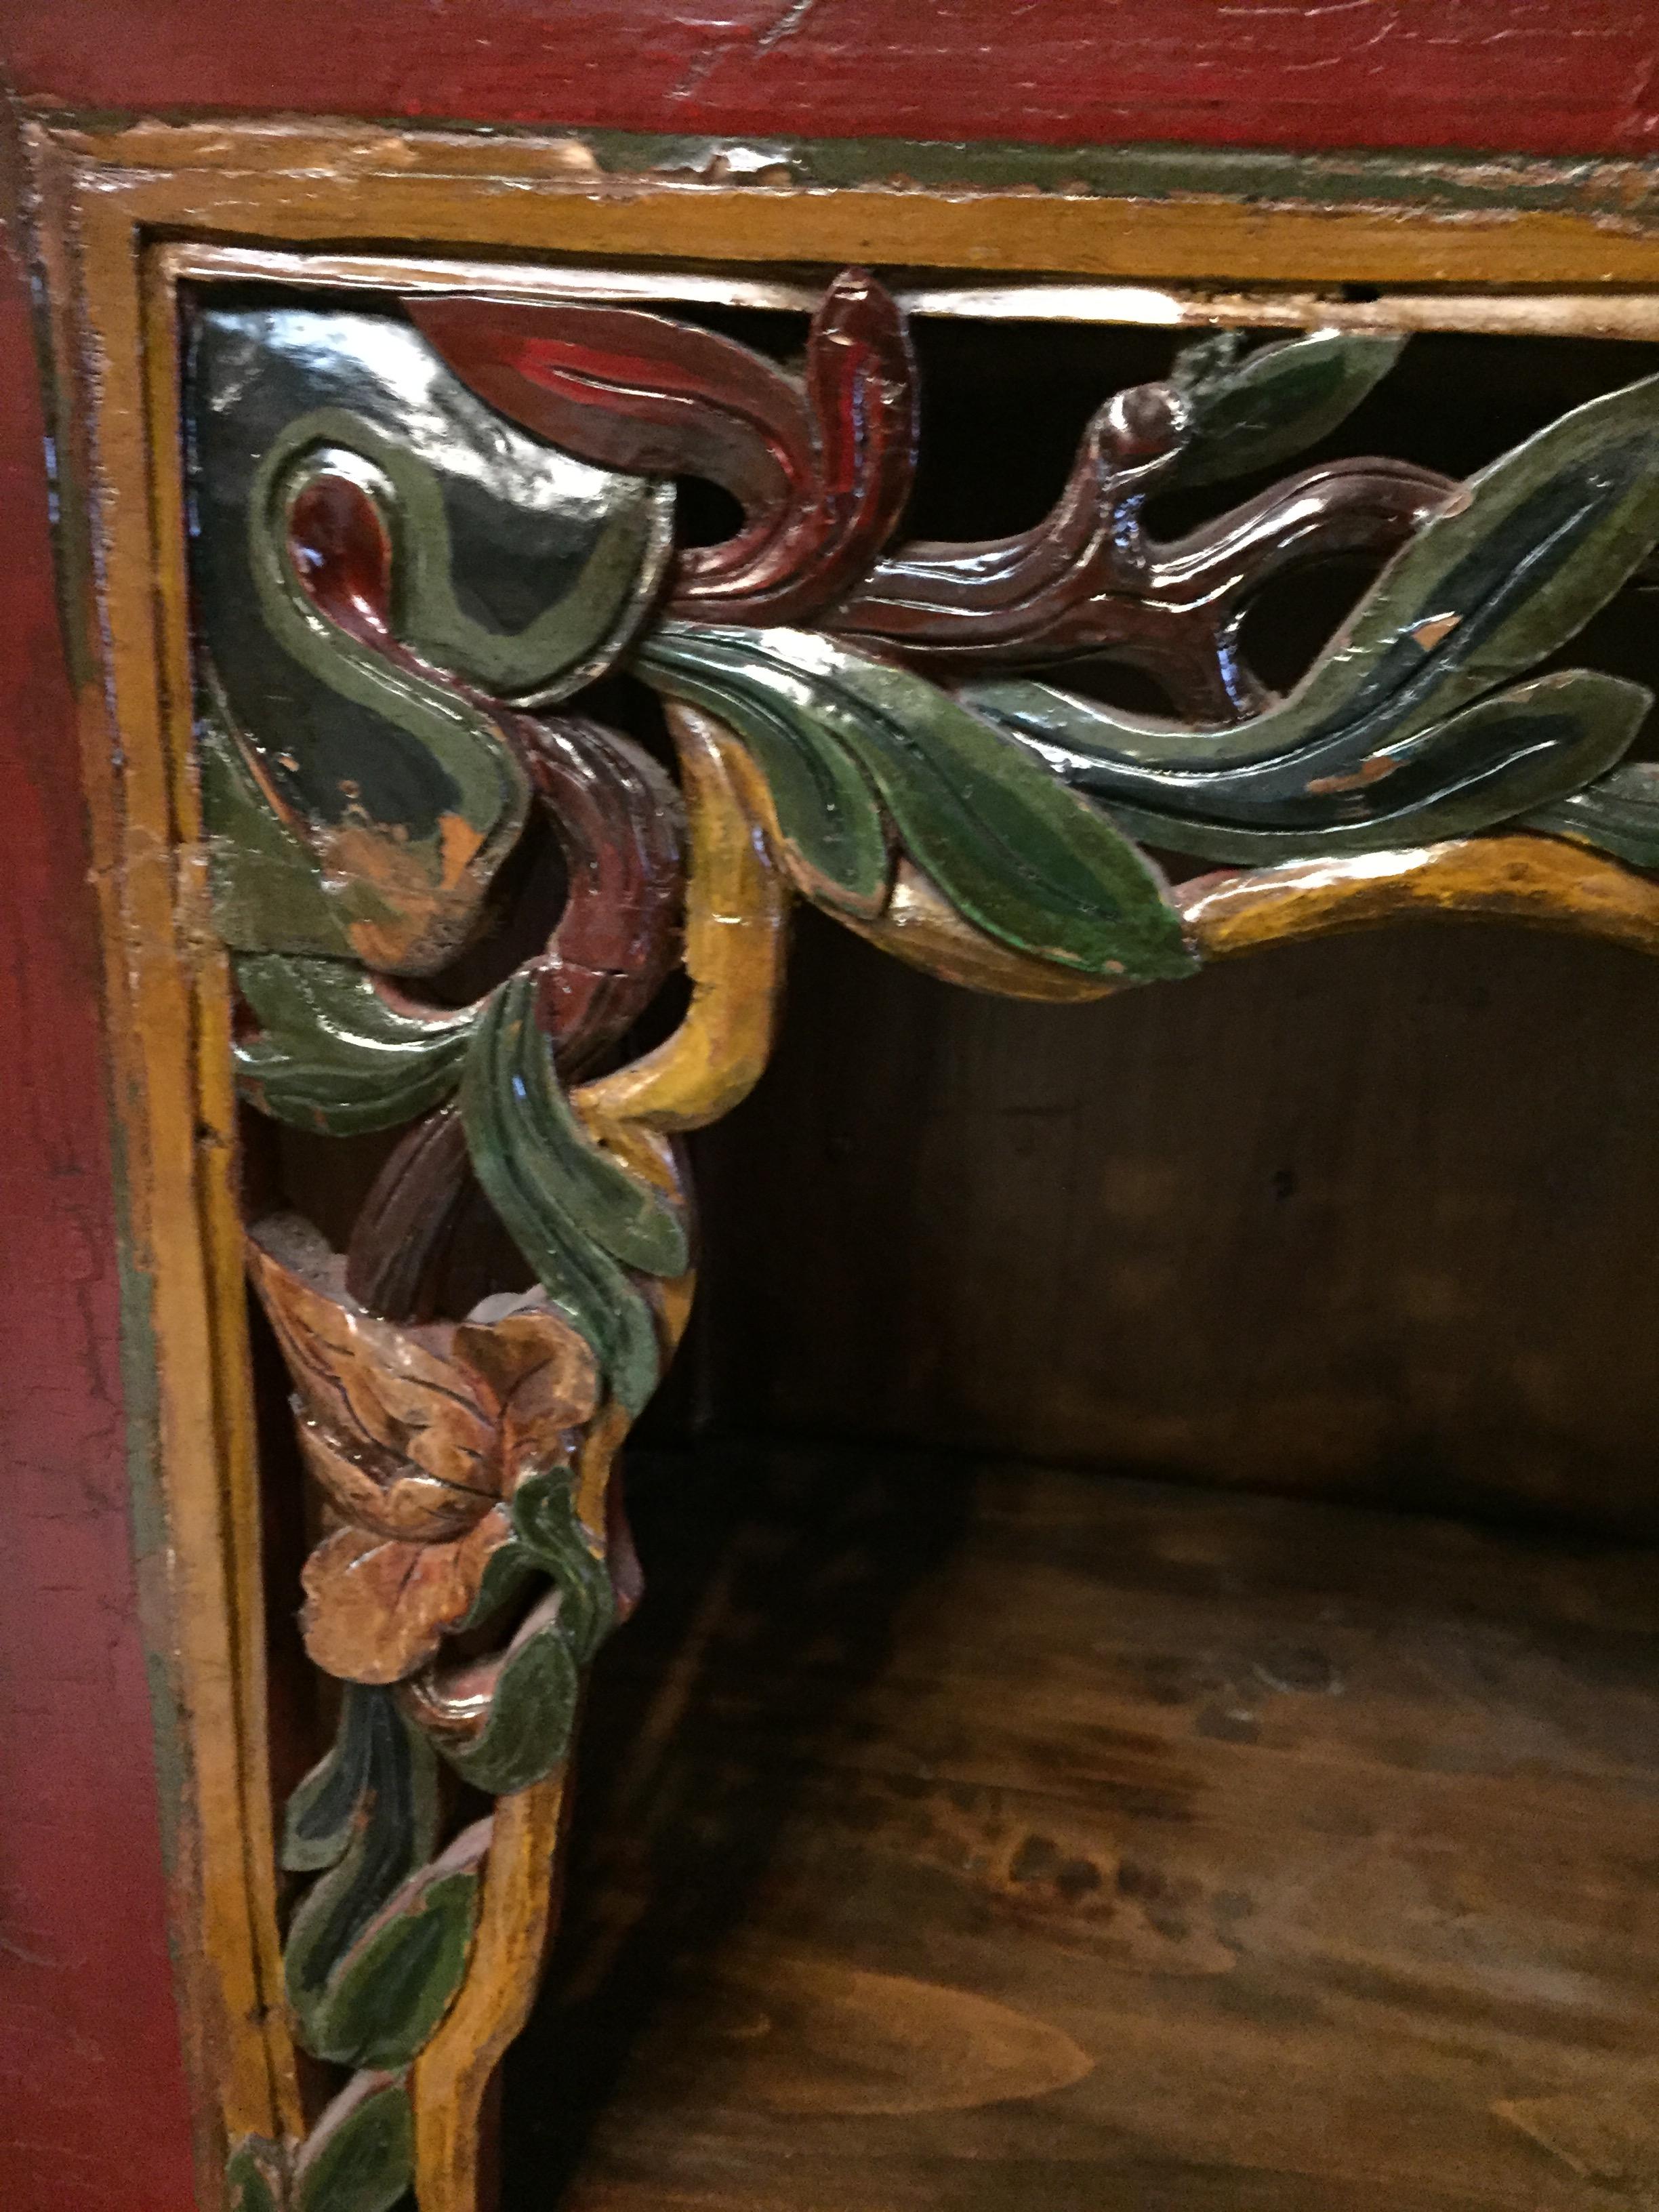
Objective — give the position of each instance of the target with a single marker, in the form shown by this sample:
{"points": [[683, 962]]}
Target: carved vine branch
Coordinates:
{"points": [[419, 537]]}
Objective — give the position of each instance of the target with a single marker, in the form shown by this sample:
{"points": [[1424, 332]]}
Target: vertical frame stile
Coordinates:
{"points": [[196, 1525], [254, 1924]]}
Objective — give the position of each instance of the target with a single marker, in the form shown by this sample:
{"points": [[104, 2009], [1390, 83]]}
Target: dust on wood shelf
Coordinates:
{"points": [[966, 1836]]}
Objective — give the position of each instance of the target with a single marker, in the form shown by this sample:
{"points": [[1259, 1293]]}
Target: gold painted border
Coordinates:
{"points": [[120, 217]]}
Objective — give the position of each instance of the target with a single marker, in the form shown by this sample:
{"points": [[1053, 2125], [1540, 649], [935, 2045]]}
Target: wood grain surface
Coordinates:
{"points": [[1372, 1217], [959, 1835], [1550, 77]]}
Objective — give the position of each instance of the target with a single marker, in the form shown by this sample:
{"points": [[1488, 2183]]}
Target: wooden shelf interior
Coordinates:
{"points": [[957, 1835]]}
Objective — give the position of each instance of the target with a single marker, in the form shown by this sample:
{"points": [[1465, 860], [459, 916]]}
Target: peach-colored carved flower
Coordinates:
{"points": [[418, 1436]]}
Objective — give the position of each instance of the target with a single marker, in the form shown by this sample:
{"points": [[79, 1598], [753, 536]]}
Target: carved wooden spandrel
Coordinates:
{"points": [[423, 530]]}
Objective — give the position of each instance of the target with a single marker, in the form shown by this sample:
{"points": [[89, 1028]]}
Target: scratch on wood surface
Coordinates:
{"points": [[786, 25]]}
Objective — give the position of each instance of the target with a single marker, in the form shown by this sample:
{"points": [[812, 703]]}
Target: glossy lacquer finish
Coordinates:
{"points": [[419, 537]]}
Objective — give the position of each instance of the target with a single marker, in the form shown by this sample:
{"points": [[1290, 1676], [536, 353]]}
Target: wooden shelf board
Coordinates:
{"points": [[957, 1837]]}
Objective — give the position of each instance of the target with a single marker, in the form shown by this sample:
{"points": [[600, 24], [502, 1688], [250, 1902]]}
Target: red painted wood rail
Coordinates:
{"points": [[91, 2080], [1524, 76]]}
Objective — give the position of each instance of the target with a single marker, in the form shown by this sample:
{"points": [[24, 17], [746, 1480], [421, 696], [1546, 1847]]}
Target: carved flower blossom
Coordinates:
{"points": [[418, 1436]]}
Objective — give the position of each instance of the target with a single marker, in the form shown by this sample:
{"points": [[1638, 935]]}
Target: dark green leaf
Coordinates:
{"points": [[360, 2157], [386, 1995], [1619, 814], [254, 2177], [386, 1769], [533, 1710], [1010, 847], [548, 1528], [1493, 760], [321, 1814], [268, 892], [506, 1571], [1500, 578], [826, 809], [579, 1216], [333, 1053], [1254, 412]]}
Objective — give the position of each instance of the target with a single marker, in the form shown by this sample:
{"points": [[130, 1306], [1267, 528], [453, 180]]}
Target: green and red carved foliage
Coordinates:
{"points": [[414, 535], [1088, 580], [1401, 733], [420, 532]]}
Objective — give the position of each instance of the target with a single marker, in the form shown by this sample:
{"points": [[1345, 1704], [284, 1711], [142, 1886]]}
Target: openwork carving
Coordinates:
{"points": [[420, 533]]}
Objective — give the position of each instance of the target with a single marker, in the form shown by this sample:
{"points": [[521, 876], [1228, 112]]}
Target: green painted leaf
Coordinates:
{"points": [[334, 1053], [1618, 814], [506, 1571], [1257, 411], [367, 1814], [254, 2176], [321, 1814], [548, 1526], [579, 1217], [533, 1713], [825, 805], [360, 2157], [384, 1997], [533, 1708], [1501, 578], [1490, 763], [1005, 840], [1548, 533]]}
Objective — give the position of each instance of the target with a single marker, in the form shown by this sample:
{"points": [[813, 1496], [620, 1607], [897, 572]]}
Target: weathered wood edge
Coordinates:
{"points": [[1161, 213], [185, 1364], [1624, 191]]}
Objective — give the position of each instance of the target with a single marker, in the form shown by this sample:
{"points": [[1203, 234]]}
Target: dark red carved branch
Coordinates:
{"points": [[1088, 580], [413, 1209], [822, 471], [617, 818]]}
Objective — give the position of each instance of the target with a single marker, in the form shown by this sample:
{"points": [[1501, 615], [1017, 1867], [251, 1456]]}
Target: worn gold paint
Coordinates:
{"points": [[458, 843], [594, 1460], [736, 904], [1540, 880], [416, 908], [452, 2075], [451, 2078], [268, 180]]}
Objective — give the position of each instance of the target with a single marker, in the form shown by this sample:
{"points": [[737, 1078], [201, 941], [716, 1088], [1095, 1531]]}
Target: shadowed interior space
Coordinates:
{"points": [[1146, 1695]]}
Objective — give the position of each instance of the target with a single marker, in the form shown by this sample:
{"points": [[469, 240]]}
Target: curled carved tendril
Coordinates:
{"points": [[618, 820], [822, 467], [1088, 580]]}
